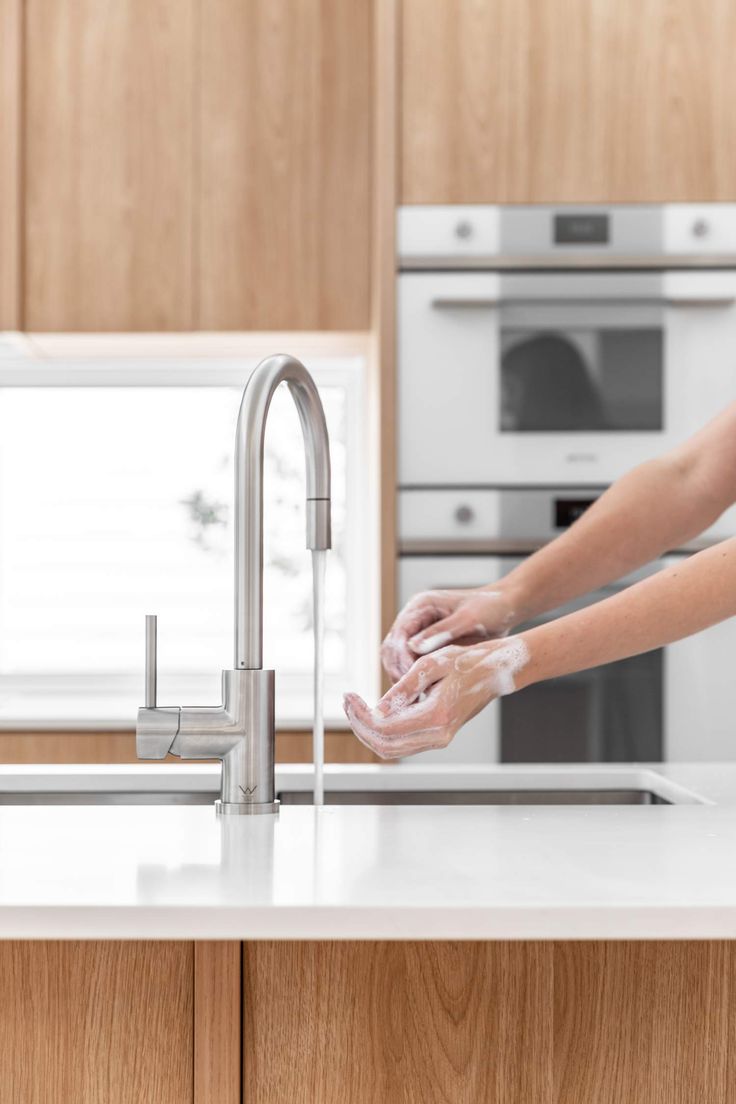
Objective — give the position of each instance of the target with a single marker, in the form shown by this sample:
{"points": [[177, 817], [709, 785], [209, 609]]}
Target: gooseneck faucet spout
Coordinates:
{"points": [[240, 731], [249, 491]]}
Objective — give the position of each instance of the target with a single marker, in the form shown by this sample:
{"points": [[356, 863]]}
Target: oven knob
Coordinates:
{"points": [[701, 228], [464, 229], [464, 515]]}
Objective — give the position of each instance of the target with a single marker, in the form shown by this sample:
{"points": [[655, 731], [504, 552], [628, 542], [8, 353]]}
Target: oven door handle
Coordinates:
{"points": [[445, 302], [485, 301], [700, 300]]}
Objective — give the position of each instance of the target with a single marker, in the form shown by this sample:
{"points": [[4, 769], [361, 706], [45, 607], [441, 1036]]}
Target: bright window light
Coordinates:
{"points": [[116, 500]]}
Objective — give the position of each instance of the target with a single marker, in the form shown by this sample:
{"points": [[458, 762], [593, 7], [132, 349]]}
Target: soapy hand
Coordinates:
{"points": [[440, 692], [435, 618]]}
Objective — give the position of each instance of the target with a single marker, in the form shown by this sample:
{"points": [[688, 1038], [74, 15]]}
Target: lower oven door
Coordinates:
{"points": [[613, 713]]}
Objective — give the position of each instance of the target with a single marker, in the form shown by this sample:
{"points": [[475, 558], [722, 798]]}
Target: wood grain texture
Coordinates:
{"points": [[340, 747], [11, 65], [95, 1023], [397, 1022], [645, 1023], [217, 1028], [284, 226], [119, 747], [108, 164], [526, 101], [460, 1023], [383, 312]]}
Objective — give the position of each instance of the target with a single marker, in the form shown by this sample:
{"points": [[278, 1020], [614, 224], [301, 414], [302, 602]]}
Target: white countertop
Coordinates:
{"points": [[372, 872]]}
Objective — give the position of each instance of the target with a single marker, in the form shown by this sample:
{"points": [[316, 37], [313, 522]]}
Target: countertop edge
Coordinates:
{"points": [[369, 924]]}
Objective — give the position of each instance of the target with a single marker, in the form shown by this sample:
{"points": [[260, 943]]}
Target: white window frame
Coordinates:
{"points": [[204, 360]]}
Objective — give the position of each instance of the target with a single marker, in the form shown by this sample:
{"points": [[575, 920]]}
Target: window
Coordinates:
{"points": [[116, 489]]}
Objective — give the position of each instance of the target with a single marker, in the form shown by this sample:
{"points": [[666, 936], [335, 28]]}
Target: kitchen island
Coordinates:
{"points": [[536, 953]]}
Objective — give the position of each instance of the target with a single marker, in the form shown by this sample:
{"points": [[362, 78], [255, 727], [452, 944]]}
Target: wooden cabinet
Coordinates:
{"points": [[192, 166], [501, 1023], [284, 165], [94, 1022], [390, 1023], [109, 1022], [119, 747], [109, 153], [11, 36], [533, 101]]}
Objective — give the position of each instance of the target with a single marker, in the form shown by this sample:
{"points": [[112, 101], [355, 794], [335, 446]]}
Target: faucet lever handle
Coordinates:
{"points": [[151, 660]]}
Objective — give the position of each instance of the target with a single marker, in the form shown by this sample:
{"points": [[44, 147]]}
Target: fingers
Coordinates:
{"points": [[457, 625], [417, 727], [396, 656], [421, 675]]}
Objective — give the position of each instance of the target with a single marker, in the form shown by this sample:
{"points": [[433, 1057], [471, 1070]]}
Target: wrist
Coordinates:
{"points": [[529, 671], [515, 606]]}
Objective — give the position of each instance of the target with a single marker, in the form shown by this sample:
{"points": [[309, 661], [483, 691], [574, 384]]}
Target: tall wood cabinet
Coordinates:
{"points": [[532, 101], [194, 165]]}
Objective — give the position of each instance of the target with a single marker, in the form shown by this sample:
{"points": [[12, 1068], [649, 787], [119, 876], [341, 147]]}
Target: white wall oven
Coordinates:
{"points": [[541, 354], [550, 345]]}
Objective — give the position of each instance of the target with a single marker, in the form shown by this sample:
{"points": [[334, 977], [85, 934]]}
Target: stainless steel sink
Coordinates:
{"points": [[110, 797], [349, 797], [479, 797]]}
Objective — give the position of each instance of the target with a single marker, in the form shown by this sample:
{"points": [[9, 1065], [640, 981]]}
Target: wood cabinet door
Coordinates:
{"points": [[191, 165], [284, 220], [490, 1023], [83, 1023], [532, 101], [108, 176]]}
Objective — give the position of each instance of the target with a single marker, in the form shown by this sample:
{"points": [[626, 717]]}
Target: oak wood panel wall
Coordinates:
{"points": [[11, 23], [525, 101], [501, 1023], [119, 747], [96, 1021], [109, 147], [285, 164]]}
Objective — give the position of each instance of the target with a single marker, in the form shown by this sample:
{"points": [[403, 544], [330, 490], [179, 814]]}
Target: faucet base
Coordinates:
{"points": [[246, 808]]}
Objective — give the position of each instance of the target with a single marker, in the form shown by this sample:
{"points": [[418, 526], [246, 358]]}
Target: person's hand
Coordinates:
{"points": [[435, 698], [435, 618]]}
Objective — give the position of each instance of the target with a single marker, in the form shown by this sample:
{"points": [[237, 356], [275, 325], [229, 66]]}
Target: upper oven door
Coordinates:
{"points": [[556, 377]]}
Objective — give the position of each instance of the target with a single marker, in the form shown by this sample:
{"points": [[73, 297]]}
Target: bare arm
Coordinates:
{"points": [[445, 689], [656, 507], [674, 603]]}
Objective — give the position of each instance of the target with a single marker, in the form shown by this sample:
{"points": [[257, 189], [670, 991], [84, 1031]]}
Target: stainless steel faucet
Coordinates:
{"points": [[240, 731]]}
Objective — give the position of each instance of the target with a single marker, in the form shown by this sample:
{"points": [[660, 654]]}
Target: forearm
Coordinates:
{"points": [[676, 602], [655, 508]]}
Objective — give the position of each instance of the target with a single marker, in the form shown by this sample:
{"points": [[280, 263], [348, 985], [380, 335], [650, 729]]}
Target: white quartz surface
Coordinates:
{"points": [[372, 872]]}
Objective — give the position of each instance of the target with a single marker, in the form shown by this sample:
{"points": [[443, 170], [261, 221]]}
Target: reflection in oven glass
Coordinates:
{"points": [[590, 381]]}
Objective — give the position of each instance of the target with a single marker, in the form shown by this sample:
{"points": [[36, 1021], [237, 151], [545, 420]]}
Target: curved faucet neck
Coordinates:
{"points": [[249, 448]]}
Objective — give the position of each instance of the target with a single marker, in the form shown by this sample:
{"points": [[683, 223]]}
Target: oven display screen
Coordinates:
{"points": [[568, 510], [581, 229]]}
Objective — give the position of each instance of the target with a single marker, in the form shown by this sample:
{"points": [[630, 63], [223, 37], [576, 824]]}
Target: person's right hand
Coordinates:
{"points": [[436, 618]]}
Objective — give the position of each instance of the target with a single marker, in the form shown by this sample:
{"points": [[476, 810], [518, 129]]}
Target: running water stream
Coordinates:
{"points": [[319, 563]]}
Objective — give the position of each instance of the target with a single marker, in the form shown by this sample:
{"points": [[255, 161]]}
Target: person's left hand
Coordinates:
{"points": [[435, 698]]}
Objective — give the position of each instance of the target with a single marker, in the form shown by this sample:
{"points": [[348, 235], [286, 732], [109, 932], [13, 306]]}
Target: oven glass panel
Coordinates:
{"points": [[586, 380], [612, 714]]}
